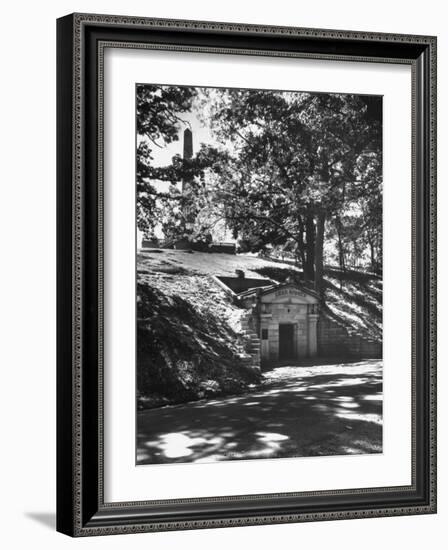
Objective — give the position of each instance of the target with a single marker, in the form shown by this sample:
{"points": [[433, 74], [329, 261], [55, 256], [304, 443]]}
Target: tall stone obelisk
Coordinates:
{"points": [[188, 143], [188, 153], [188, 208]]}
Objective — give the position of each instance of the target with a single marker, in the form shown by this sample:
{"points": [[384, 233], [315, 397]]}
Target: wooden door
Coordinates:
{"points": [[286, 348]]}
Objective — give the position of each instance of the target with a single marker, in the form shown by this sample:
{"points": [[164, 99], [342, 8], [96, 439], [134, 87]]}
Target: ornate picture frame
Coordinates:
{"points": [[81, 506]]}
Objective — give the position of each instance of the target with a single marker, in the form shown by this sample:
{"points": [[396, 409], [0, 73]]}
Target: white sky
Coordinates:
{"points": [[201, 134]]}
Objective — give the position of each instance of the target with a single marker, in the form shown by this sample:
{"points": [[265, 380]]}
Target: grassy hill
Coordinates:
{"points": [[188, 342]]}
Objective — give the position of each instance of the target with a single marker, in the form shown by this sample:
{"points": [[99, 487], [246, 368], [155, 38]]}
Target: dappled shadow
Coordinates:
{"points": [[358, 309], [362, 299], [300, 411], [352, 275], [316, 361]]}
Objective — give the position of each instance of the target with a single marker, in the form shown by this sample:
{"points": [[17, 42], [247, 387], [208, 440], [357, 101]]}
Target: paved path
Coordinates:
{"points": [[317, 410]]}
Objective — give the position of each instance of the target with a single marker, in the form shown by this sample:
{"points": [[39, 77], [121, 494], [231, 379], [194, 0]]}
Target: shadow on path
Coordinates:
{"points": [[317, 410]]}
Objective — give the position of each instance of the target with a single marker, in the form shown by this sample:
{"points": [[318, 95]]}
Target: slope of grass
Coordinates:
{"points": [[355, 299], [187, 346], [203, 263]]}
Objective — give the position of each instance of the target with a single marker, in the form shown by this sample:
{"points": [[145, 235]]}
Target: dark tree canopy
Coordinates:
{"points": [[299, 160]]}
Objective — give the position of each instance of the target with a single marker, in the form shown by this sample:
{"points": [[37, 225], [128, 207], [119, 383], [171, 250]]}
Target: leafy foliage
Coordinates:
{"points": [[296, 173], [159, 110], [300, 160]]}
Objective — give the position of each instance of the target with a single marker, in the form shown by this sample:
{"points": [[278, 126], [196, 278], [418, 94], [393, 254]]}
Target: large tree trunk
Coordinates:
{"points": [[310, 232], [319, 255], [341, 252], [373, 264], [300, 250]]}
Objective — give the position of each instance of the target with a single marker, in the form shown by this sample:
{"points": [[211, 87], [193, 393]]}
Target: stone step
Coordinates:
{"points": [[249, 331], [249, 334], [253, 346]]}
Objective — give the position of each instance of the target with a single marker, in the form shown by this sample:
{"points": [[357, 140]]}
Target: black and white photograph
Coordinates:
{"points": [[223, 222], [259, 274]]}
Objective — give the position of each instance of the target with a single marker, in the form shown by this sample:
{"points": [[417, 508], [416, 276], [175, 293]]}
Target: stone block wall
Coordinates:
{"points": [[334, 340], [251, 340]]}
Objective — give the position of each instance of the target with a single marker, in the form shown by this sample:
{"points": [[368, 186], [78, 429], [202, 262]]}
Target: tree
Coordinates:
{"points": [[296, 160]]}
